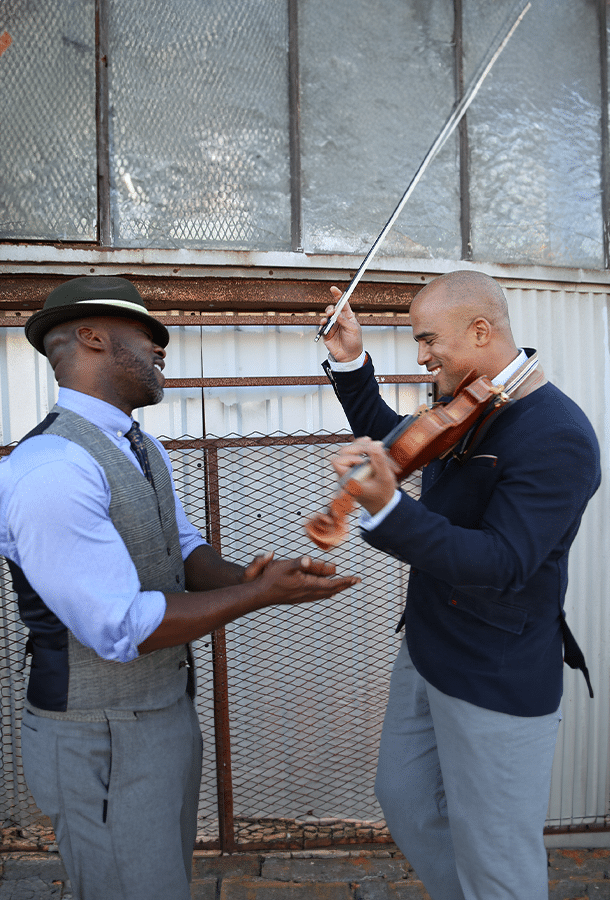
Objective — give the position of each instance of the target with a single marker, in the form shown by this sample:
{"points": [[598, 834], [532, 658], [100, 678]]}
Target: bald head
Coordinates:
{"points": [[468, 295], [461, 324]]}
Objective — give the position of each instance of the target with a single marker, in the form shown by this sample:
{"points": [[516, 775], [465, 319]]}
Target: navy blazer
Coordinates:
{"points": [[488, 545]]}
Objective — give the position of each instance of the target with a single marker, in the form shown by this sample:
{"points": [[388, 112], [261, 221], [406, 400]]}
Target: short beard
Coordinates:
{"points": [[128, 362]]}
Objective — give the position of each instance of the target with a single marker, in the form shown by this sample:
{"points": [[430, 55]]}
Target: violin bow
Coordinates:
{"points": [[448, 128]]}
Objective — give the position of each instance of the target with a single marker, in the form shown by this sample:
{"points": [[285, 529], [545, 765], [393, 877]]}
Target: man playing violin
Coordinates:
{"points": [[468, 739]]}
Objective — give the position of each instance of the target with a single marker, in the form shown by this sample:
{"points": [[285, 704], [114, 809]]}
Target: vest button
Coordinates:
{"points": [[177, 579], [169, 551]]}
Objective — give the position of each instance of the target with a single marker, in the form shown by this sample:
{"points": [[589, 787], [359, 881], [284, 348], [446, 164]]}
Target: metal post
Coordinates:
{"points": [[464, 148], [605, 160], [102, 125], [222, 728], [294, 106]]}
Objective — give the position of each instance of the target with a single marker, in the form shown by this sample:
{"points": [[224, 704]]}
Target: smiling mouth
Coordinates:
{"points": [[434, 372], [159, 376]]}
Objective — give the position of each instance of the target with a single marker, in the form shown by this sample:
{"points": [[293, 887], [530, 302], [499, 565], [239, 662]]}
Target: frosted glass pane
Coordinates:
{"points": [[199, 123], [535, 140], [377, 85], [48, 169]]}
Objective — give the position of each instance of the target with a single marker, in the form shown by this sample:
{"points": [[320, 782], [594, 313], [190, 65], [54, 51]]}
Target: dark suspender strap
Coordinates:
{"points": [[476, 434], [41, 427], [572, 654]]}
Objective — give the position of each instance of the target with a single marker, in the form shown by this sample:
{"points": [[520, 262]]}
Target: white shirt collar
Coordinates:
{"points": [[503, 376]]}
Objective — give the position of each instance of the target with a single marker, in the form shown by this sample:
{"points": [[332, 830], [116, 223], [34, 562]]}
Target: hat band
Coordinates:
{"points": [[123, 304]]}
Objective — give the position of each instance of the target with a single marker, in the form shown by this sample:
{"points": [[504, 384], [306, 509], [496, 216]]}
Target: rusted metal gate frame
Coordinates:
{"points": [[210, 447]]}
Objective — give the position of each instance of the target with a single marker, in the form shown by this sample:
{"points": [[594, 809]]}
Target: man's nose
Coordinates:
{"points": [[422, 354]]}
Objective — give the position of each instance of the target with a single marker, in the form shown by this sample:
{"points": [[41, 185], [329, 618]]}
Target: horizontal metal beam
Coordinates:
{"points": [[262, 440], [203, 320], [282, 381], [29, 292], [67, 260]]}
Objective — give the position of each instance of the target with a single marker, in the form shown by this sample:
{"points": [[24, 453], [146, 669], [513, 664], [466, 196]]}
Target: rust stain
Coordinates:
{"points": [[577, 856], [5, 42], [216, 295], [362, 862]]}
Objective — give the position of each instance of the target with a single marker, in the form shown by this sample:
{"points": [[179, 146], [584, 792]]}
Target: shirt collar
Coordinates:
{"points": [[104, 415], [503, 376]]}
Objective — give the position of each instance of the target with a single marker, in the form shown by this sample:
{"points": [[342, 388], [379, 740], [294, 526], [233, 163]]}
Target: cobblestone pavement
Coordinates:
{"points": [[359, 873]]}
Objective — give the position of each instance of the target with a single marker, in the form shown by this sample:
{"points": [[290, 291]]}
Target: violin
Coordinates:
{"points": [[431, 433]]}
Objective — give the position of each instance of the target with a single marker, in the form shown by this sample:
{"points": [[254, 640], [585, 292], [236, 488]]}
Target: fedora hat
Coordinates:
{"points": [[91, 295]]}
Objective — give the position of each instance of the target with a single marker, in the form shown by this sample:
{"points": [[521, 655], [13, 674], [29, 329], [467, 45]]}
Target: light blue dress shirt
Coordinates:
{"points": [[55, 525]]}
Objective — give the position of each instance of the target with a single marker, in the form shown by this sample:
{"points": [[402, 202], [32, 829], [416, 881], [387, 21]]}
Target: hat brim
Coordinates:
{"points": [[38, 325]]}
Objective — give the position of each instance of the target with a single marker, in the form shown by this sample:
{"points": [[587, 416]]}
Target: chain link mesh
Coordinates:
{"points": [[199, 123], [307, 683], [47, 108]]}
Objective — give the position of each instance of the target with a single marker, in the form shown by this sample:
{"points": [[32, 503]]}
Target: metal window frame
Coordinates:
{"points": [[105, 237]]}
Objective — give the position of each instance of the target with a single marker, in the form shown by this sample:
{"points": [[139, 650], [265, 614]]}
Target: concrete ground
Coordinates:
{"points": [[358, 873]]}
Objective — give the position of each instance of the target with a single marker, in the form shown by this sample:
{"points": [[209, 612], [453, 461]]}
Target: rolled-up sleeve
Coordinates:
{"points": [[60, 534]]}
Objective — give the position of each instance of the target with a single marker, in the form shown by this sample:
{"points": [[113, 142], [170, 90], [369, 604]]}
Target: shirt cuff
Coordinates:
{"points": [[145, 615], [347, 366], [190, 544], [369, 523]]}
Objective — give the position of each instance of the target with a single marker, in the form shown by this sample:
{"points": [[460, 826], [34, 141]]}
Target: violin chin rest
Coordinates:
{"points": [[468, 379]]}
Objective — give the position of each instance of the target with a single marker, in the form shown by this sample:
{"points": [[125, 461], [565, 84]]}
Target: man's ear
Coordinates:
{"points": [[93, 338], [482, 331]]}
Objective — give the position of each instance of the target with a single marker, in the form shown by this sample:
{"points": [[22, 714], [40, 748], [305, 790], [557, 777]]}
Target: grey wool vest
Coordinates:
{"points": [[146, 521]]}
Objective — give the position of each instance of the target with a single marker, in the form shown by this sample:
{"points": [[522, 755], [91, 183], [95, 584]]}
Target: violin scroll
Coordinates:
{"points": [[328, 530]]}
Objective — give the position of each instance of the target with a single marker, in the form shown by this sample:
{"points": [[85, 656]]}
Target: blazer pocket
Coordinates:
{"points": [[484, 460], [499, 615]]}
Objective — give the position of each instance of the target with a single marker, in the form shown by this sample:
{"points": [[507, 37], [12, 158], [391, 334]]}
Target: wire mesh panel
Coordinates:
{"points": [[542, 105], [21, 821], [307, 684], [48, 176], [199, 123], [359, 105]]}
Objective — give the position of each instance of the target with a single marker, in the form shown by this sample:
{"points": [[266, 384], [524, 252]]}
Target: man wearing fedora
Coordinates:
{"points": [[113, 583]]}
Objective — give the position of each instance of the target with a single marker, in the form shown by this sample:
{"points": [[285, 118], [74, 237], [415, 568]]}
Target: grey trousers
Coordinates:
{"points": [[122, 795], [465, 791]]}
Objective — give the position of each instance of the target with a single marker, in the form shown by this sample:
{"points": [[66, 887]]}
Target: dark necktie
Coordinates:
{"points": [[134, 436]]}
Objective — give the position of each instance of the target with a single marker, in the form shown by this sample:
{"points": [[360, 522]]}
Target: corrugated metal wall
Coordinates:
{"points": [[570, 329]]}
